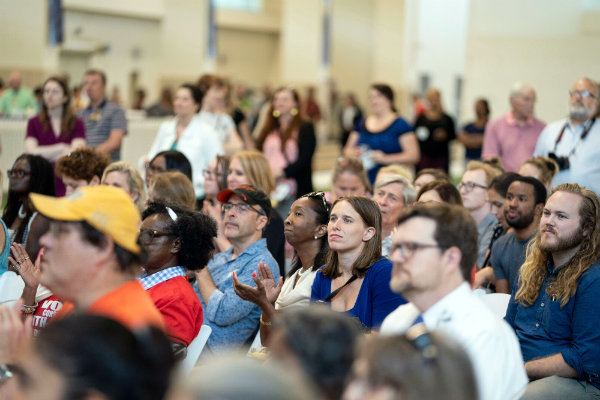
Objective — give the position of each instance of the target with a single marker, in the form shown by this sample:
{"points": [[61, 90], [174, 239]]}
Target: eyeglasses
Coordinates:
{"points": [[148, 235], [158, 170], [408, 249], [239, 207], [319, 195], [584, 94], [17, 173], [469, 186]]}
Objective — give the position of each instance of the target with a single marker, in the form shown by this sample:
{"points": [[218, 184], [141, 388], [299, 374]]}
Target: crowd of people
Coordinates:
{"points": [[392, 285]]}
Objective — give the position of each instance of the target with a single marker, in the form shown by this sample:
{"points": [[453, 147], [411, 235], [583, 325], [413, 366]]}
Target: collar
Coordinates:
{"points": [[511, 120], [149, 281], [442, 310], [100, 106], [252, 249]]}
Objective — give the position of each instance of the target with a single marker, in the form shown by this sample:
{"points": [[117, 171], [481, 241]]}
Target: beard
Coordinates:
{"points": [[520, 222], [563, 243], [577, 112]]}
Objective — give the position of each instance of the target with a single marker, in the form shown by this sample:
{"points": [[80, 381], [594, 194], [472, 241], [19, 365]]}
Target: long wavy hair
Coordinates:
{"points": [[534, 270], [371, 217], [67, 123], [272, 122]]}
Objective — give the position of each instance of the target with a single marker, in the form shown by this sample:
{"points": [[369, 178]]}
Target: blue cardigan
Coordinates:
{"points": [[375, 299]]}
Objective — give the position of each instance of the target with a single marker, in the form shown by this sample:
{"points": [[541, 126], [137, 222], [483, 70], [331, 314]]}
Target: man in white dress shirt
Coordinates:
{"points": [[433, 250]]}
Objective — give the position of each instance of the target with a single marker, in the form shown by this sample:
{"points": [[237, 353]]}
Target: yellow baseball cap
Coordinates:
{"points": [[106, 208]]}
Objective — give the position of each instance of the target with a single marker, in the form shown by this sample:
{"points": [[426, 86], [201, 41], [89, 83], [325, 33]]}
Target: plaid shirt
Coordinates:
{"points": [[149, 281]]}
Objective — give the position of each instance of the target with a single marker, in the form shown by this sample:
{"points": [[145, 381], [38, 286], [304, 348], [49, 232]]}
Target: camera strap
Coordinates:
{"points": [[586, 129]]}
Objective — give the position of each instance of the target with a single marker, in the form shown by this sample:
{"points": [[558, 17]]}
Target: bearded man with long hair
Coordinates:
{"points": [[554, 311]]}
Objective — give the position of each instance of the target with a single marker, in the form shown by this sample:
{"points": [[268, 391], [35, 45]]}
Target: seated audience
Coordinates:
{"points": [[497, 195], [541, 168], [404, 367], [320, 343], [392, 193], [525, 200], [186, 133], [434, 249], [439, 191], [553, 312], [29, 174], [233, 320], [427, 175], [82, 167], [175, 240], [55, 131], [92, 357], [252, 168], [306, 231], [474, 192], [172, 187], [355, 279], [91, 255], [123, 175], [167, 161], [349, 178]]}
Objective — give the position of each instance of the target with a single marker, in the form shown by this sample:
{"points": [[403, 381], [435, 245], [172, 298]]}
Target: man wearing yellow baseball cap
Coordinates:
{"points": [[91, 254]]}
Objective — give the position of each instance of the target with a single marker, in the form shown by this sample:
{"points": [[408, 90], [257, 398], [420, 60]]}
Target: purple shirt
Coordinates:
{"points": [[35, 129], [514, 143]]}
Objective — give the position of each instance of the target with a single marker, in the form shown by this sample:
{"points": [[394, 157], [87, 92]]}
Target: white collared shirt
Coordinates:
{"points": [[488, 340]]}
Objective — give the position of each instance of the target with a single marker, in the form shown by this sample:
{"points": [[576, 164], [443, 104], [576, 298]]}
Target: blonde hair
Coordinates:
{"points": [[134, 180], [534, 271], [173, 187], [547, 167], [257, 169], [395, 169], [490, 171]]}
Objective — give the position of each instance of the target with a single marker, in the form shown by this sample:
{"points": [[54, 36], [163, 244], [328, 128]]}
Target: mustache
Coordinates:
{"points": [[548, 229]]}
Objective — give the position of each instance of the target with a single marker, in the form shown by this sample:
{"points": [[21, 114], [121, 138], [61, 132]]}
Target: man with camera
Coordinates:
{"points": [[574, 142]]}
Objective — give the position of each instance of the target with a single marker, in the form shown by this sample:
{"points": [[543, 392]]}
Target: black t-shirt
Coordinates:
{"points": [[426, 130]]}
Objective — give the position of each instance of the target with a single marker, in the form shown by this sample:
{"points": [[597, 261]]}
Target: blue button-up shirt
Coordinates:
{"points": [[545, 329], [232, 319]]}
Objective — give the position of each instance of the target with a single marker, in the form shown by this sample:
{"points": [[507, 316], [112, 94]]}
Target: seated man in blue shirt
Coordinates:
{"points": [[554, 311], [233, 320]]}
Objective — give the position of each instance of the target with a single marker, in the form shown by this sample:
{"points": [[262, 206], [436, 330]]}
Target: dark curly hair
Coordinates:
{"points": [[195, 230], [83, 163]]}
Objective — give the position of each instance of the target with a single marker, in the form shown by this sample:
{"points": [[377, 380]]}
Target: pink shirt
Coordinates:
{"points": [[514, 143]]}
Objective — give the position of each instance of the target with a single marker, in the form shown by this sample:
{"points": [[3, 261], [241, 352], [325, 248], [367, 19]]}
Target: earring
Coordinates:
{"points": [[316, 237], [276, 113], [294, 111]]}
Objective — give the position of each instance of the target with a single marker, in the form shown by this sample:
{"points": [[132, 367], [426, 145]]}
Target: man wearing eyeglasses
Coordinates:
{"points": [[574, 142], [433, 250], [233, 320]]}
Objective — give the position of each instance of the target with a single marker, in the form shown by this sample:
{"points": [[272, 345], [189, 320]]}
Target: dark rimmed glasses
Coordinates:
{"points": [[148, 235], [408, 249], [239, 207], [17, 173]]}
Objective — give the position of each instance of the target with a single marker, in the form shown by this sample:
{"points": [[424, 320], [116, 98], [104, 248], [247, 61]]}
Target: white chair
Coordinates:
{"points": [[194, 350], [496, 302]]}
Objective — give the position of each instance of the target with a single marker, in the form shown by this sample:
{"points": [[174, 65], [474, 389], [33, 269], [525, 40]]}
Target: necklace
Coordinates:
{"points": [[21, 214], [301, 272]]}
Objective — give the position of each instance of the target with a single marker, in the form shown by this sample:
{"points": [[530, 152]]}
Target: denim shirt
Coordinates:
{"points": [[545, 329], [232, 319]]}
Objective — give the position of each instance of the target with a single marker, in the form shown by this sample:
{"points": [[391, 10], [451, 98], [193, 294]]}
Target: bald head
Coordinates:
{"points": [[14, 80]]}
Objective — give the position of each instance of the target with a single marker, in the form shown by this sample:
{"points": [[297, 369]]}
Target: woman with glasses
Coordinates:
{"points": [[306, 230], [186, 133], [56, 130], [355, 278], [215, 180], [29, 174], [251, 167], [175, 240]]}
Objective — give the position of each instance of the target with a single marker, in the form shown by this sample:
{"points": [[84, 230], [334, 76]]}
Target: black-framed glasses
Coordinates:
{"points": [[148, 235], [469, 186], [17, 173], [239, 207], [408, 249], [584, 94], [321, 196]]}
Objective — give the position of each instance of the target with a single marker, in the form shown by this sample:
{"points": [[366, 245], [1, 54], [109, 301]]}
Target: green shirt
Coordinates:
{"points": [[18, 102]]}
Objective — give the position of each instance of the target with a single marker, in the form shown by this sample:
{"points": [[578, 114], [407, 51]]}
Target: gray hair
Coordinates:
{"points": [[409, 193], [519, 88]]}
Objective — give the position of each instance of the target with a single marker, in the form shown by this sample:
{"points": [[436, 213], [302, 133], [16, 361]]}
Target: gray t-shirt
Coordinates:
{"points": [[99, 122], [508, 254]]}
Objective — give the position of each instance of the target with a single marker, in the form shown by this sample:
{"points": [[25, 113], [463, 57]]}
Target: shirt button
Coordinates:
{"points": [[537, 325], [542, 304]]}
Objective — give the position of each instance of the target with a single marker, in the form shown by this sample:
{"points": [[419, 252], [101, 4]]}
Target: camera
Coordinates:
{"points": [[562, 162]]}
